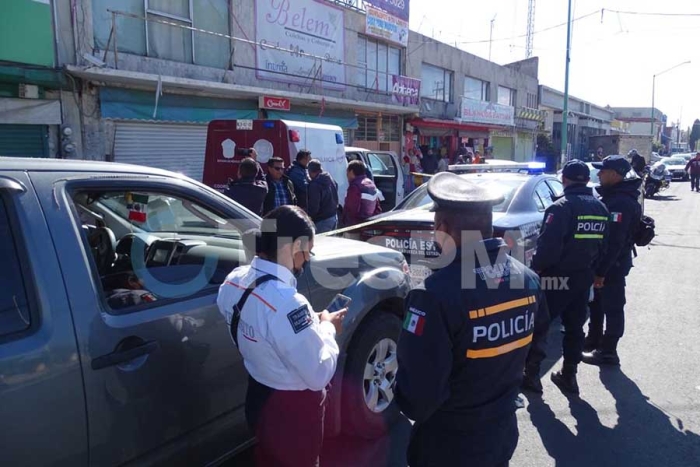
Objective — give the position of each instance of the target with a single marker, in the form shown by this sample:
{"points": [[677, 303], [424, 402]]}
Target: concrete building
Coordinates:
{"points": [[468, 100], [584, 120], [640, 120], [153, 74], [31, 87]]}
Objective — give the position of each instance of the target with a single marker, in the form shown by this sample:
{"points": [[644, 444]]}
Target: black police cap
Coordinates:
{"points": [[451, 192], [616, 163], [577, 171]]}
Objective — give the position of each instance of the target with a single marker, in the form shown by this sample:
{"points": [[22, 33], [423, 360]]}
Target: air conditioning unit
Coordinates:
{"points": [[28, 91]]}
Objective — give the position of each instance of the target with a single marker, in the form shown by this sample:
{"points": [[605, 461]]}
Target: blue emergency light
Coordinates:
{"points": [[268, 124]]}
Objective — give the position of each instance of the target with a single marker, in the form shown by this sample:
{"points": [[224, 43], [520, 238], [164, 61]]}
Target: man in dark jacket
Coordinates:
{"points": [[620, 196], [323, 198], [299, 176], [259, 173], [571, 241], [280, 189], [465, 337], [430, 162], [693, 166], [362, 198], [247, 190]]}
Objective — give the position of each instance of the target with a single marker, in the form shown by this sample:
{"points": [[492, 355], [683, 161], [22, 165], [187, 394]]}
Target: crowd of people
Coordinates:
{"points": [[465, 351], [305, 184]]}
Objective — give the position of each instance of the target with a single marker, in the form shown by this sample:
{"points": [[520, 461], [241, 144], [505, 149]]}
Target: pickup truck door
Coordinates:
{"points": [[164, 382], [387, 177], [42, 404]]}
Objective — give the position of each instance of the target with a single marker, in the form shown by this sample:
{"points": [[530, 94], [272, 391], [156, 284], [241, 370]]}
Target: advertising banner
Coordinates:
{"points": [[405, 90], [396, 8], [300, 27], [387, 27], [486, 112]]}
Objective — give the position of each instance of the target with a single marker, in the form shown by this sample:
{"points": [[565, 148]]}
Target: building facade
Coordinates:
{"points": [[640, 120], [584, 120], [466, 100], [31, 87]]}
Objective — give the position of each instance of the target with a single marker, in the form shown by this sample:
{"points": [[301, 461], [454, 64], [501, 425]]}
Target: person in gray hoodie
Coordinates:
{"points": [[322, 198]]}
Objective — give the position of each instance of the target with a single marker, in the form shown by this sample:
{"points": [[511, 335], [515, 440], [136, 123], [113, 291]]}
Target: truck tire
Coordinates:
{"points": [[368, 406]]}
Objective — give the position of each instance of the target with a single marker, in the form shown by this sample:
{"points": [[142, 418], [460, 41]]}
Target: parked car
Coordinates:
{"points": [[676, 167], [409, 228], [112, 349], [385, 169]]}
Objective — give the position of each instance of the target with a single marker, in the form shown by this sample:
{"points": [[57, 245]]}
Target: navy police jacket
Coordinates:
{"points": [[573, 234], [625, 214], [465, 337]]}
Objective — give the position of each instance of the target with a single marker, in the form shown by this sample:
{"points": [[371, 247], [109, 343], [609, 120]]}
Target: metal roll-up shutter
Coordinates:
{"points": [[24, 140], [178, 148]]}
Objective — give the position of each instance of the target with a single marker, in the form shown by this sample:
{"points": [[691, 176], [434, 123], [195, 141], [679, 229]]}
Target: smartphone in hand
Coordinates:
{"points": [[339, 302]]}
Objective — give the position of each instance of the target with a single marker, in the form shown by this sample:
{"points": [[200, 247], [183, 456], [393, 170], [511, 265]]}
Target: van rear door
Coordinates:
{"points": [[227, 140]]}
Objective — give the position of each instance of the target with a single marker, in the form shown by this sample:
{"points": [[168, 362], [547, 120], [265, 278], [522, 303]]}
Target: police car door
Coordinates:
{"points": [[159, 367]]}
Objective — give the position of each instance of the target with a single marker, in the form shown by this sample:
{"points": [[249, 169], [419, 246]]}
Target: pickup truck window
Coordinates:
{"points": [[14, 307], [156, 247]]}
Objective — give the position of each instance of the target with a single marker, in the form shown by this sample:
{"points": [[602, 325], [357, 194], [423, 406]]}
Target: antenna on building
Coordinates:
{"points": [[530, 28], [491, 35]]}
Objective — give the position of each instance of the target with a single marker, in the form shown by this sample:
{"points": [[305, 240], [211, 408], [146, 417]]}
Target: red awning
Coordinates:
{"points": [[451, 125]]}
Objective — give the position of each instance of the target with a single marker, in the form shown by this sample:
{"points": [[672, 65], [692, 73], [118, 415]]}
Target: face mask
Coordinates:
{"points": [[297, 272]]}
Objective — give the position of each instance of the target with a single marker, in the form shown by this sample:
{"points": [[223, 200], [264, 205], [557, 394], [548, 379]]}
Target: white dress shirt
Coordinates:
{"points": [[283, 343]]}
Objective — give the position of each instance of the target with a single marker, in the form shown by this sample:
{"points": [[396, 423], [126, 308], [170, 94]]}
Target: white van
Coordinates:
{"points": [[229, 140]]}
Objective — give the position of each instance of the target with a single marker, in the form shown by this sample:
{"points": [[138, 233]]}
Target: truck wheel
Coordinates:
{"points": [[369, 409]]}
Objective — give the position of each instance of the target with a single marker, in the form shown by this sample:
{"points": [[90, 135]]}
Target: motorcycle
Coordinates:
{"points": [[657, 178]]}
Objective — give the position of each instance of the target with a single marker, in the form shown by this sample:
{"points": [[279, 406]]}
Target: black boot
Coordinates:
{"points": [[566, 379], [605, 355], [592, 342], [531, 379]]}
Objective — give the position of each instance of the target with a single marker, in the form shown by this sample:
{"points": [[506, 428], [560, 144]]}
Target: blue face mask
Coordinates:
{"points": [[298, 272]]}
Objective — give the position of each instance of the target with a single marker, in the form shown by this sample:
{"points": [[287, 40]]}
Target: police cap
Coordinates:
{"points": [[619, 164], [451, 192], [576, 171]]}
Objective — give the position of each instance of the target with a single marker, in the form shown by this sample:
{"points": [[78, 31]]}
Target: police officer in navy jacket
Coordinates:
{"points": [[571, 242], [466, 336]]}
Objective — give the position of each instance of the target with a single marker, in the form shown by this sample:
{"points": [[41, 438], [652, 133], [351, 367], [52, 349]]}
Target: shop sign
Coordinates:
{"points": [[275, 103], [387, 27], [489, 113], [300, 40], [405, 90], [396, 8]]}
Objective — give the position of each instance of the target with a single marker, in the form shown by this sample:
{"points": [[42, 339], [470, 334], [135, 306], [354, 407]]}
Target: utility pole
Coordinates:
{"points": [[491, 35], [565, 114]]}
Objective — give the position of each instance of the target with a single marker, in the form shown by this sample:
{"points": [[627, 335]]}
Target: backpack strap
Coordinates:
{"points": [[238, 307]]}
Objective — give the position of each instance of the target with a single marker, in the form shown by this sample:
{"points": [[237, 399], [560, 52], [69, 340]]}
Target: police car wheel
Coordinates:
{"points": [[369, 409]]}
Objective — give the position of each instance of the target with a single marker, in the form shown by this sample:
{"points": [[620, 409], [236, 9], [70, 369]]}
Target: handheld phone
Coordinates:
{"points": [[339, 302]]}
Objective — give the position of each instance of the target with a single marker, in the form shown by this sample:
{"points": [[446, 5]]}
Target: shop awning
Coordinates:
{"points": [[123, 104], [435, 127], [344, 120], [30, 112]]}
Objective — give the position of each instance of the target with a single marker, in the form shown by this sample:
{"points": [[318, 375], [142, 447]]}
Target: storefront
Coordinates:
{"points": [[524, 147], [380, 132], [167, 133], [439, 134], [29, 127], [502, 144]]}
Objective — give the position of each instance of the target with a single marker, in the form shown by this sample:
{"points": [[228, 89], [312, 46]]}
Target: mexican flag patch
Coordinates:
{"points": [[414, 321], [616, 216]]}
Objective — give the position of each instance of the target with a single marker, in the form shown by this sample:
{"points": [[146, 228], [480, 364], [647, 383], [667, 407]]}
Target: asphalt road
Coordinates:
{"points": [[647, 413]]}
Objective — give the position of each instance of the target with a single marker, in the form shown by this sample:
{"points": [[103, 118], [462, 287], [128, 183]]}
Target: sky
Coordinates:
{"points": [[614, 56]]}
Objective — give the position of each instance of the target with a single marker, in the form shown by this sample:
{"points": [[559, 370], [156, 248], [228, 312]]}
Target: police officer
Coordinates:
{"points": [[619, 194], [289, 351], [571, 241], [466, 335]]}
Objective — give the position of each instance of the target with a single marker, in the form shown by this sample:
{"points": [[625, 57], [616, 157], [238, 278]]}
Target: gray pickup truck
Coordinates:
{"points": [[112, 349]]}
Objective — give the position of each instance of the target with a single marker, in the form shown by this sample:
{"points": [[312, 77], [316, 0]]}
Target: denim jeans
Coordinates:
{"points": [[326, 225]]}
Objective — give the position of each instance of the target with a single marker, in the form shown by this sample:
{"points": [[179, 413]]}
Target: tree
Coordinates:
{"points": [[544, 145], [694, 134]]}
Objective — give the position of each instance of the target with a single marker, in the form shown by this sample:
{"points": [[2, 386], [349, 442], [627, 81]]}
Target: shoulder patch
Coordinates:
{"points": [[414, 321], [300, 318], [550, 218]]}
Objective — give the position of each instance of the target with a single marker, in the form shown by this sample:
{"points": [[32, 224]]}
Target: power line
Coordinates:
{"points": [[536, 32], [647, 13]]}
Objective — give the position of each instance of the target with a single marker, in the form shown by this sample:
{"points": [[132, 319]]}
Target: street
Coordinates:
{"points": [[647, 413]]}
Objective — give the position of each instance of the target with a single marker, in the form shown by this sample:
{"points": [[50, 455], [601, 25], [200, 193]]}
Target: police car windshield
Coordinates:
{"points": [[507, 188]]}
